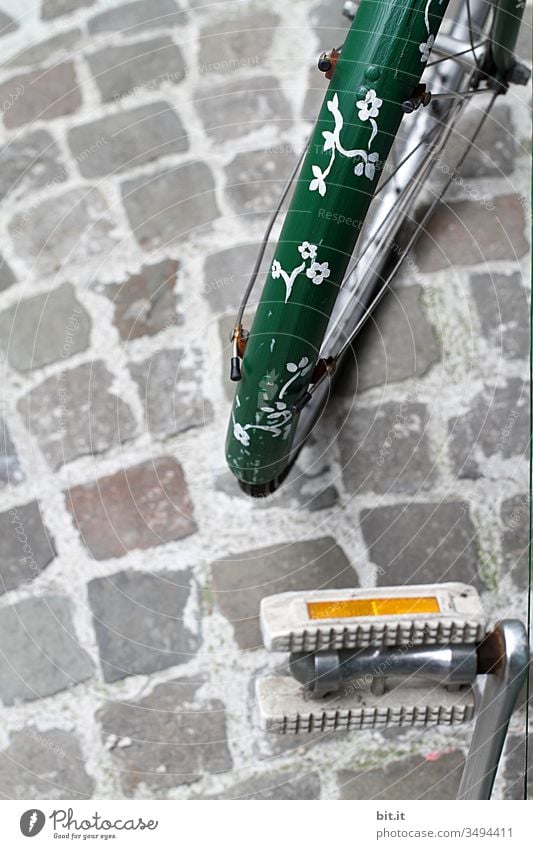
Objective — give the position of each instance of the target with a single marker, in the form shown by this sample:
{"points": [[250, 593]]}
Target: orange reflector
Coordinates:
{"points": [[348, 608]]}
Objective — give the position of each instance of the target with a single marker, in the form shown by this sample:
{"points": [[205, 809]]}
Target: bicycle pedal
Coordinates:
{"points": [[320, 620], [284, 708]]}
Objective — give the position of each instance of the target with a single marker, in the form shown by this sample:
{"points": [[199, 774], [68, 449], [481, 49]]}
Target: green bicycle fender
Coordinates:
{"points": [[381, 62]]}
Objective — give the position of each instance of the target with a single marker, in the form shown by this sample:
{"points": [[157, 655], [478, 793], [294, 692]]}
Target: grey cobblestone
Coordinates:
{"points": [[515, 518], [386, 448], [7, 24], [168, 386], [141, 507], [463, 233], [398, 343], [171, 204], [255, 180], [69, 230], [146, 302], [421, 543], [235, 109], [502, 304], [127, 140], [57, 8], [7, 278], [44, 765], [45, 328], [240, 582], [75, 413], [406, 778], [42, 95], [173, 737], [30, 162], [45, 655], [26, 547], [120, 71], [316, 88], [131, 18], [140, 624], [496, 427], [494, 151], [41, 52], [329, 25], [239, 39], [227, 272]]}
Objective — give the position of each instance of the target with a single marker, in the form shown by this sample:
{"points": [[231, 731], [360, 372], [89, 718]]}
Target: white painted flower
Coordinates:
{"points": [[425, 48], [370, 106], [292, 367], [240, 434], [330, 140], [307, 250], [319, 182], [368, 168], [317, 272], [276, 269]]}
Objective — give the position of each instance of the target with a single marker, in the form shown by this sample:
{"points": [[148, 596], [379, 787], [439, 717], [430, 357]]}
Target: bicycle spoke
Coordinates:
{"points": [[456, 55]]}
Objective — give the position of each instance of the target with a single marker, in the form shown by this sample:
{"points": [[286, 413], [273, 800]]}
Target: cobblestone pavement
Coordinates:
{"points": [[143, 145]]}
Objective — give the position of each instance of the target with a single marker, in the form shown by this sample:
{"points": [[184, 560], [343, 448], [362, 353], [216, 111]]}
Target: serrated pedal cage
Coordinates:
{"points": [[395, 656]]}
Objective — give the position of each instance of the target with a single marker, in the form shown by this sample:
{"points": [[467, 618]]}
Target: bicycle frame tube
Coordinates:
{"points": [[507, 20], [381, 62]]}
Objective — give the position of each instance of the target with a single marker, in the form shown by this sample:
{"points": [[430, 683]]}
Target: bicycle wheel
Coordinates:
{"points": [[274, 411]]}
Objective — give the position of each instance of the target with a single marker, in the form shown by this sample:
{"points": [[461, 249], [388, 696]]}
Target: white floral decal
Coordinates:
{"points": [[278, 415], [317, 271], [307, 250], [368, 108], [368, 167], [240, 434], [426, 46]]}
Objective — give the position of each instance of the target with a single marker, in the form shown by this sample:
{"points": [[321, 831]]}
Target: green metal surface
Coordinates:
{"points": [[381, 62]]}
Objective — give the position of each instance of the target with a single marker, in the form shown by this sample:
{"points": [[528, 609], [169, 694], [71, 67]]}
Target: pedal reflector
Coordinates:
{"points": [[431, 614], [336, 609]]}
